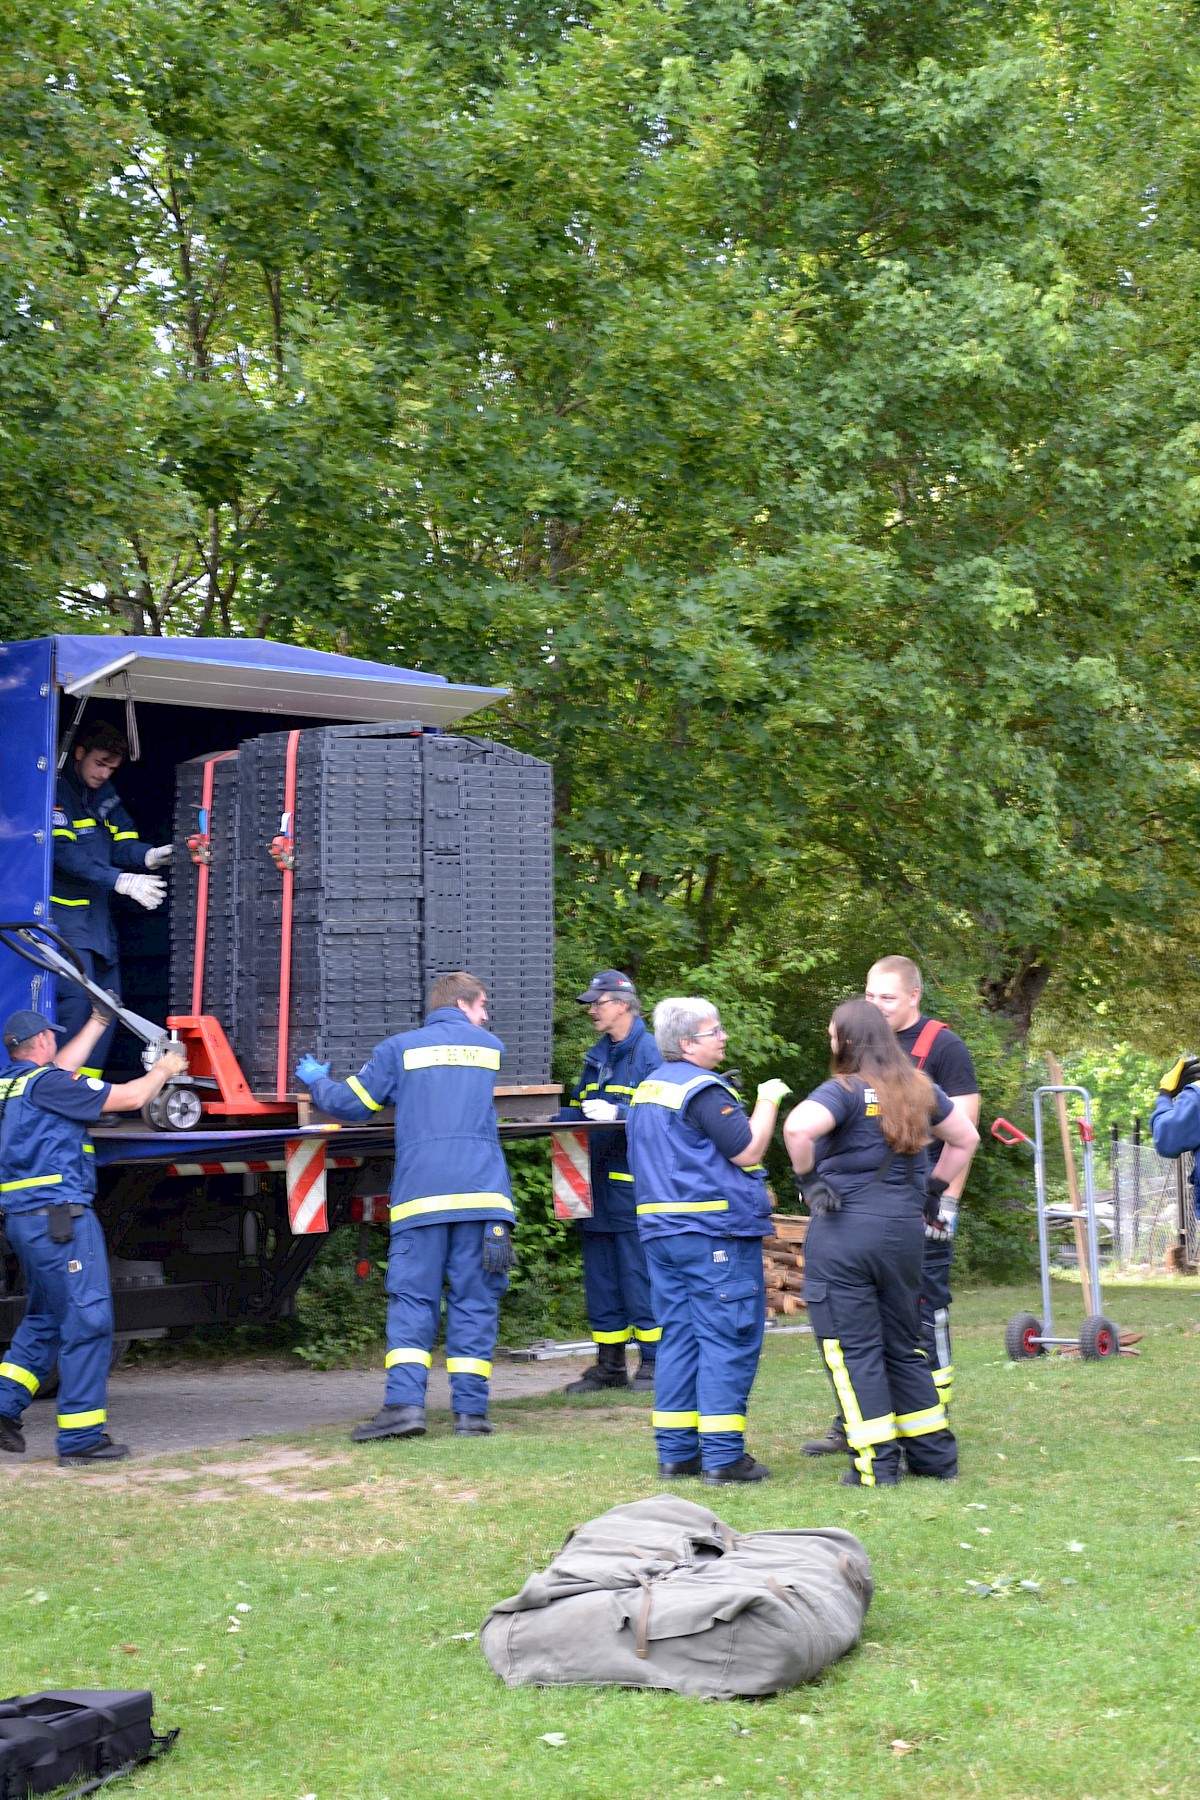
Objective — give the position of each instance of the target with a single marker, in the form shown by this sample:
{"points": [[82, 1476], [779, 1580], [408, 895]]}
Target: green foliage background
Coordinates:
{"points": [[795, 404]]}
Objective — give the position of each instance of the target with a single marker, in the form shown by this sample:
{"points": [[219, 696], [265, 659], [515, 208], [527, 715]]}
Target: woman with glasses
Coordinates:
{"points": [[702, 1212], [857, 1145]]}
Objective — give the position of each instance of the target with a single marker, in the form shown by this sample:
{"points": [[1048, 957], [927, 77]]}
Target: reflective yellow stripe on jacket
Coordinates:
{"points": [[452, 1056], [435, 1203]]}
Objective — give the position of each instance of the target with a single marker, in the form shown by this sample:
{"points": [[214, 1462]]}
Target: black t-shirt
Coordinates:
{"points": [[949, 1061], [716, 1113], [856, 1146]]}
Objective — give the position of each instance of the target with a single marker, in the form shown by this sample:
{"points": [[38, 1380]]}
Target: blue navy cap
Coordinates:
{"points": [[19, 1027], [608, 981]]}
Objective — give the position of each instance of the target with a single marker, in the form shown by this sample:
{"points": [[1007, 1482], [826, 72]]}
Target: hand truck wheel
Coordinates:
{"points": [[1099, 1339], [1021, 1336]]}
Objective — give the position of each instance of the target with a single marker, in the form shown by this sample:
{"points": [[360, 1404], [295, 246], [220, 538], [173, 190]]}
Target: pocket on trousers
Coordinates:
{"points": [[815, 1290], [741, 1304]]}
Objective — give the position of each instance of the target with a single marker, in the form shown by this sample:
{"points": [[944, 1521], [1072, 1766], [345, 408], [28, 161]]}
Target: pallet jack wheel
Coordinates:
{"points": [[1021, 1336], [1099, 1339], [175, 1109]]}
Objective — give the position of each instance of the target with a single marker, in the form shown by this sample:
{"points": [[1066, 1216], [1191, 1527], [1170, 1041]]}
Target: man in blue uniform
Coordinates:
{"points": [[47, 1191], [97, 853], [452, 1212], [616, 1283], [702, 1211], [1175, 1120]]}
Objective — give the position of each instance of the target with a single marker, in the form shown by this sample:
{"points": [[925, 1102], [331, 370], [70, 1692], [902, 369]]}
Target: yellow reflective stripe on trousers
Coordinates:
{"points": [[26, 1377], [412, 1209], [861, 1434], [408, 1356], [10, 1187], [664, 1421], [356, 1087], [722, 1421], [648, 1337], [615, 1175], [452, 1056], [468, 1365], [81, 1421], [613, 1337], [683, 1206], [920, 1424], [943, 1381], [55, 901]]}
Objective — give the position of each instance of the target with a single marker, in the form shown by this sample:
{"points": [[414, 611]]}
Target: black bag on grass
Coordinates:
{"points": [[49, 1739], [663, 1594]]}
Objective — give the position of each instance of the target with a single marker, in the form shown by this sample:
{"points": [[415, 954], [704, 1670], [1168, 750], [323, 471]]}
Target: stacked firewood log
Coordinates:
{"points": [[783, 1263]]}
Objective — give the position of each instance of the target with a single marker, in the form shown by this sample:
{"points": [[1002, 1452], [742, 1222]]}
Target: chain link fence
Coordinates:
{"points": [[1146, 1217]]}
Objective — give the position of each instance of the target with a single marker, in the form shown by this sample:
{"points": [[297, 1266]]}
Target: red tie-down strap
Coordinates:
{"points": [[200, 846]]}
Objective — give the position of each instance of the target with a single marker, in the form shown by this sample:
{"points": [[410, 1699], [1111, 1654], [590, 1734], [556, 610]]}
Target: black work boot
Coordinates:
{"points": [[391, 1422], [472, 1425], [832, 1444], [643, 1375], [12, 1438], [102, 1451], [744, 1470], [608, 1371], [678, 1471]]}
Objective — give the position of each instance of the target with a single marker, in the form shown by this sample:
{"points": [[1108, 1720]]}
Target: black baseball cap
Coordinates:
{"points": [[20, 1026], [608, 981]]}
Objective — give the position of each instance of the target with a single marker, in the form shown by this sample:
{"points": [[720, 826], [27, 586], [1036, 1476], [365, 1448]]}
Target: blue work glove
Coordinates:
{"points": [[498, 1257], [308, 1070]]}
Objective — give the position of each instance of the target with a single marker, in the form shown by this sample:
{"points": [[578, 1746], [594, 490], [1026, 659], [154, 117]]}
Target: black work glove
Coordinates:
{"points": [[817, 1194], [498, 1257], [938, 1230], [1180, 1075]]}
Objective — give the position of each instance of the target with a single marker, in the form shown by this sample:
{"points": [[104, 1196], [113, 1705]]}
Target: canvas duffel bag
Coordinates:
{"points": [[663, 1594]]}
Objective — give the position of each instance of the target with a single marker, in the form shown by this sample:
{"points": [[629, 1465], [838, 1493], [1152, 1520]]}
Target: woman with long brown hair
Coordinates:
{"points": [[858, 1146]]}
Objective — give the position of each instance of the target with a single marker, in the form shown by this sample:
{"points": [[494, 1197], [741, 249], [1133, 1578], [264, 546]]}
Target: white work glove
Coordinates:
{"points": [[600, 1111], [148, 890], [774, 1091], [156, 858]]}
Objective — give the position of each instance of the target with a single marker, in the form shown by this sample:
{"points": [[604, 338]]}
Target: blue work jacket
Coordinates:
{"points": [[681, 1180], [1175, 1128], [440, 1079], [94, 841], [612, 1072], [47, 1155]]}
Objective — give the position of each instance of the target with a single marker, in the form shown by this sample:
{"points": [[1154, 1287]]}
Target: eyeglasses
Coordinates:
{"points": [[603, 1000], [714, 1031]]}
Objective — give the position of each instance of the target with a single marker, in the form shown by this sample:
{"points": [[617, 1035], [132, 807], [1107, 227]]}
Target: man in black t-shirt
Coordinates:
{"points": [[894, 986]]}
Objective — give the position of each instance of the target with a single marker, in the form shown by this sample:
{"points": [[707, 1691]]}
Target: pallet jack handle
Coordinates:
{"points": [[27, 938]]}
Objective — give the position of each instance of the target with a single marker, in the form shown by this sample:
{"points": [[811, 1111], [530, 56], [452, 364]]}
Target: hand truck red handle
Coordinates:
{"points": [[1008, 1133]]}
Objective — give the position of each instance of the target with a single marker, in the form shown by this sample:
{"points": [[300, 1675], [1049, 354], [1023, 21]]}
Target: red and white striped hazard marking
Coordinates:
{"points": [[572, 1187], [254, 1168], [306, 1186]]}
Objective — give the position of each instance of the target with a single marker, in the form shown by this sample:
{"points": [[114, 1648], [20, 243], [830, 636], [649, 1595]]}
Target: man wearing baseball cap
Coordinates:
{"points": [[47, 1192], [616, 1282]]}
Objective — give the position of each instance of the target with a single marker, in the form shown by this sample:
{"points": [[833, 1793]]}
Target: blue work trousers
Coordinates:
{"points": [[422, 1260], [616, 1288], [74, 1008], [935, 1315], [710, 1301], [68, 1320]]}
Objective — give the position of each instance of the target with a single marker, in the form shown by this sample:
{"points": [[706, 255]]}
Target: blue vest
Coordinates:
{"points": [[440, 1078], [612, 1072], [681, 1180], [44, 1158]]}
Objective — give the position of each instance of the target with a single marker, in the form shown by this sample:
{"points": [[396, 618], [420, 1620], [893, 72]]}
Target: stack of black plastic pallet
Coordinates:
{"points": [[219, 990], [414, 855], [489, 888]]}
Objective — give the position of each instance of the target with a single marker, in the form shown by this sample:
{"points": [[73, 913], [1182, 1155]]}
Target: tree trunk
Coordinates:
{"points": [[1014, 991]]}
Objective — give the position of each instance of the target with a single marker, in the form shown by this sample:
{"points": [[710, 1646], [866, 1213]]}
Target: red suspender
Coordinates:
{"points": [[924, 1043]]}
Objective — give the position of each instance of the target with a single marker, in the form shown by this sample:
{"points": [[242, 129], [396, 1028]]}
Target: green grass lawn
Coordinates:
{"points": [[361, 1572]]}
